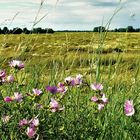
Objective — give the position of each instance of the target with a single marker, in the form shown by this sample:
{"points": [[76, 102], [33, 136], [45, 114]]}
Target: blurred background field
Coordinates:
{"points": [[69, 53]]}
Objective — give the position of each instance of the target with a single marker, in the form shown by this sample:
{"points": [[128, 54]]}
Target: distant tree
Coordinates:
{"points": [[122, 30], [25, 31], [37, 30], [99, 29], [137, 30], [5, 30], [0, 31], [95, 29], [17, 30], [11, 31], [130, 29], [49, 30], [115, 30]]}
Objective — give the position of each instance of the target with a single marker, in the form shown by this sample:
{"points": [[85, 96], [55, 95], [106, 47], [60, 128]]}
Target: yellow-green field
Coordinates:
{"points": [[48, 99], [75, 53]]}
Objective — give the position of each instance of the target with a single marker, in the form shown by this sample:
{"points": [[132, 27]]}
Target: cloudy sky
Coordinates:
{"points": [[69, 14]]}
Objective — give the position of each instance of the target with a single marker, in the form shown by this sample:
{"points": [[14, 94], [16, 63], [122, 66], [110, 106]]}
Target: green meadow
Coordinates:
{"points": [[111, 59], [76, 52]]}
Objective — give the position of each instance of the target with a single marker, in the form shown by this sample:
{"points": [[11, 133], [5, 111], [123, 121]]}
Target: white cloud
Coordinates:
{"points": [[69, 14]]}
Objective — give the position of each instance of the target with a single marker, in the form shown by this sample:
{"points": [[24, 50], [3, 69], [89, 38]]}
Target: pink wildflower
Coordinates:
{"points": [[2, 73], [78, 79], [61, 88], [70, 81], [8, 99], [94, 99], [101, 101], [37, 92], [10, 79], [18, 97], [2, 80], [129, 108], [52, 89], [61, 85], [100, 106], [2, 76], [23, 122], [104, 99], [35, 122], [54, 106], [31, 132], [97, 87], [17, 64]]}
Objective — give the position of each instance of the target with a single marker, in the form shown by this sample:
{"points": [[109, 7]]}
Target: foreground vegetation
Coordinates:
{"points": [[41, 101]]}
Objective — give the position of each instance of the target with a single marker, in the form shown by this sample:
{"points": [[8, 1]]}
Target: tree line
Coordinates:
{"points": [[39, 30], [18, 30], [127, 29]]}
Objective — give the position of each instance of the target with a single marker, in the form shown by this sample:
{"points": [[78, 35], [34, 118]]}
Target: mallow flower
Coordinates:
{"points": [[54, 106], [2, 73], [23, 122], [37, 92], [8, 99], [10, 79], [18, 97], [100, 106], [2, 80], [94, 99], [129, 108], [70, 81], [104, 99], [101, 100], [17, 64], [35, 122], [52, 89], [31, 131], [2, 76], [96, 87], [61, 88], [78, 79], [73, 81], [31, 126]]}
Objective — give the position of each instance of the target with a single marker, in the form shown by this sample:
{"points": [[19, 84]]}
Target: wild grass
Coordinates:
{"points": [[49, 59], [78, 50]]}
